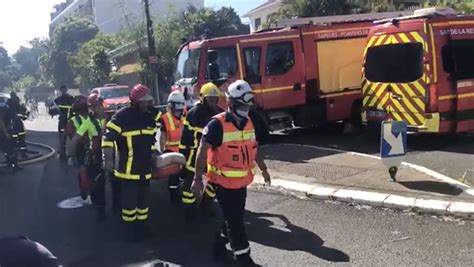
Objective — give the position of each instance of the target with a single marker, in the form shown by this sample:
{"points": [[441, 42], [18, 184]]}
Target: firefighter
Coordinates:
{"points": [[131, 132], [7, 144], [193, 124], [77, 147], [62, 106], [20, 113], [88, 136], [229, 146], [171, 129]]}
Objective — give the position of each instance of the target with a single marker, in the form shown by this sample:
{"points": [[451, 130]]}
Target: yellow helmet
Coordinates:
{"points": [[209, 90]]}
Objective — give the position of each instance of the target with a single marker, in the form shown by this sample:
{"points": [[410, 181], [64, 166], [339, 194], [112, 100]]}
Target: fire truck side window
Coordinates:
{"points": [[252, 61], [226, 59], [458, 59], [394, 63], [280, 58]]}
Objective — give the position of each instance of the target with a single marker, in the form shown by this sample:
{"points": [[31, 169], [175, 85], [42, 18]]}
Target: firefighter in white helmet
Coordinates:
{"points": [[229, 153], [171, 130]]}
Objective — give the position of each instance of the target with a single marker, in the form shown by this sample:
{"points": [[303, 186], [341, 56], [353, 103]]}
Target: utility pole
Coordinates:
{"points": [[152, 57]]}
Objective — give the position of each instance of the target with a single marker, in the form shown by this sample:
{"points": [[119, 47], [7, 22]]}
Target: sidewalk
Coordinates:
{"points": [[352, 177]]}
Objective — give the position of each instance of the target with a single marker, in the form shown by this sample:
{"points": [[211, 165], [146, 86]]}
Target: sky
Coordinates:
{"points": [[20, 24]]}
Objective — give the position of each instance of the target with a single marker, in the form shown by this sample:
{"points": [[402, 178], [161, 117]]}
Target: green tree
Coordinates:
{"points": [[91, 65], [23, 83], [28, 57], [4, 58], [9, 72], [463, 6], [313, 8], [65, 43]]}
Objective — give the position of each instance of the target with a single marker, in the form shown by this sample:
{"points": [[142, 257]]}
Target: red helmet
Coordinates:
{"points": [[95, 100], [140, 93]]}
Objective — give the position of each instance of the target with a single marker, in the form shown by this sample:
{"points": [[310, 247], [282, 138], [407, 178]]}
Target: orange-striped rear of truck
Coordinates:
{"points": [[420, 69]]}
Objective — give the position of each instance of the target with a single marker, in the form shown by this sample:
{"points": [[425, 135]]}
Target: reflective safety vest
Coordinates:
{"points": [[174, 129], [232, 165]]}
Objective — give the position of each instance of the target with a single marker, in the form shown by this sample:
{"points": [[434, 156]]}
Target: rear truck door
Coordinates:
{"points": [[250, 68], [283, 73], [396, 75]]}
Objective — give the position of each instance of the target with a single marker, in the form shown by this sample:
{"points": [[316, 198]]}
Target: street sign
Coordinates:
{"points": [[153, 59], [393, 144]]}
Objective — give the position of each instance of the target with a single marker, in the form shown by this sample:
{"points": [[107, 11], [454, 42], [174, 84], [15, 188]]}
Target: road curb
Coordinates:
{"points": [[379, 199], [438, 176], [39, 159]]}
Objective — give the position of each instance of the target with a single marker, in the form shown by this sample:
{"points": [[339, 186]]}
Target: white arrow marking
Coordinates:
{"points": [[395, 142]]}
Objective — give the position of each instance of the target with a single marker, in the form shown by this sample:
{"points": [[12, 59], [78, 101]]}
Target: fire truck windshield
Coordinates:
{"points": [[115, 92], [394, 63], [188, 64]]}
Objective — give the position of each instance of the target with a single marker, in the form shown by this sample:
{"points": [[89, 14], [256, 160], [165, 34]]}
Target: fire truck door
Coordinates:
{"points": [[251, 69], [283, 75]]}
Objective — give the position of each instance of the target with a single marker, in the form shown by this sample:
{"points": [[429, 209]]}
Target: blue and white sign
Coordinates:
{"points": [[394, 139], [393, 145]]}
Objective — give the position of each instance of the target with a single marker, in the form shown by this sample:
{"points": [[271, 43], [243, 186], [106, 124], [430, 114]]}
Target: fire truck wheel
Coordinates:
{"points": [[332, 127]]}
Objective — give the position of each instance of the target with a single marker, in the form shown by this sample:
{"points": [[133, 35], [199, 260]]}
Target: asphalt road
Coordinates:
{"points": [[451, 155], [284, 229]]}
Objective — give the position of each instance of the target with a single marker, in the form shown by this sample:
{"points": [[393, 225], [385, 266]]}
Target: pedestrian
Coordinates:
{"points": [[18, 251], [171, 129], [193, 125], [86, 139], [131, 132], [7, 143], [77, 145], [230, 149], [20, 113], [62, 106]]}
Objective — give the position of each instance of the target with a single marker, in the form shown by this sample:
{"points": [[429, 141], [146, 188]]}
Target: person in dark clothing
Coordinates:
{"points": [[130, 134], [62, 106], [18, 251], [7, 144], [20, 113], [193, 124]]}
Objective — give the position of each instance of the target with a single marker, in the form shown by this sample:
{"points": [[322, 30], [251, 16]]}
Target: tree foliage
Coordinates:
{"points": [[463, 6], [9, 72], [65, 43], [28, 57], [91, 65]]}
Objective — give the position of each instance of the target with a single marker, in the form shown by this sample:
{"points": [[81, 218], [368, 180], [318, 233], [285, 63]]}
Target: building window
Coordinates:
{"points": [[258, 23], [280, 58]]}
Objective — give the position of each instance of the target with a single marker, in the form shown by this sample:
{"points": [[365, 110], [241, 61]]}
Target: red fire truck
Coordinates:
{"points": [[303, 72], [420, 69]]}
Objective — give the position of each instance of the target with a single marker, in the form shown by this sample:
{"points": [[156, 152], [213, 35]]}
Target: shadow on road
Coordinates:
{"points": [[286, 236], [433, 186]]}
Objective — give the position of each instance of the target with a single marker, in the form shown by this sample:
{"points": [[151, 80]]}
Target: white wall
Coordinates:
{"points": [[262, 14], [109, 14]]}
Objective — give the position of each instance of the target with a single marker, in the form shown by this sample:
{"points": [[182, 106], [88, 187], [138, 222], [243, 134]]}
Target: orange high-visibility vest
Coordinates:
{"points": [[232, 165], [174, 129]]}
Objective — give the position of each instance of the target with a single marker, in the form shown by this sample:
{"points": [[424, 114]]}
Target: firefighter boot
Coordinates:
{"points": [[207, 205], [190, 213], [24, 155], [142, 231], [220, 253], [246, 261], [129, 232]]}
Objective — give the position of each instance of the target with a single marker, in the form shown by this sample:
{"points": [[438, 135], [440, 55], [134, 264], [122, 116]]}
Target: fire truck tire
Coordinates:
{"points": [[332, 127], [261, 126]]}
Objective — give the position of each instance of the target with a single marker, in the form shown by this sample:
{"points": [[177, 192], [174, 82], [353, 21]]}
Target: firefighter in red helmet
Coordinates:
{"points": [[131, 133]]}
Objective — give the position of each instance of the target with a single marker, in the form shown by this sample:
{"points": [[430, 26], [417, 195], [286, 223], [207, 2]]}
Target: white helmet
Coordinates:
{"points": [[177, 99], [240, 91]]}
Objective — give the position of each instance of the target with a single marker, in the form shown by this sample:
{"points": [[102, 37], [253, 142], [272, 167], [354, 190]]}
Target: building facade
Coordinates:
{"points": [[259, 15], [111, 16]]}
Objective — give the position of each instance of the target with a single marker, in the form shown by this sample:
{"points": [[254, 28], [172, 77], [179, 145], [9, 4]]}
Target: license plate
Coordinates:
{"points": [[377, 113]]}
